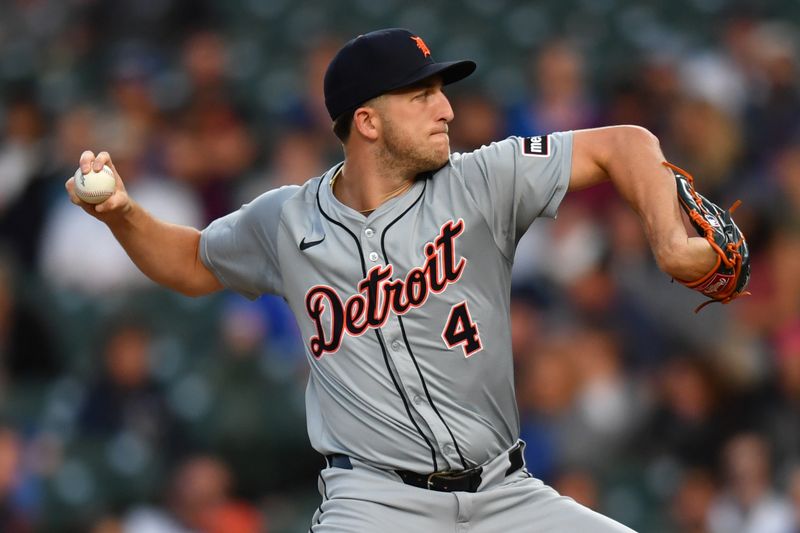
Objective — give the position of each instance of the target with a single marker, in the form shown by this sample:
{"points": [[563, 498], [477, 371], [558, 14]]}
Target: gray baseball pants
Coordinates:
{"points": [[369, 500]]}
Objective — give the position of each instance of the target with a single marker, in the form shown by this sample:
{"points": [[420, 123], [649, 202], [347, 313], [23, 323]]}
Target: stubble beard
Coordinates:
{"points": [[402, 154]]}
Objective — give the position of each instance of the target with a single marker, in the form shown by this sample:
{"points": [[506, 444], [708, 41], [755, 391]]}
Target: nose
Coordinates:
{"points": [[445, 110]]}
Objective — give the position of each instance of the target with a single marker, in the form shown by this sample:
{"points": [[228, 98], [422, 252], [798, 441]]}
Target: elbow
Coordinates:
{"points": [[629, 136], [181, 286], [197, 279], [620, 144], [191, 292], [202, 288], [195, 286]]}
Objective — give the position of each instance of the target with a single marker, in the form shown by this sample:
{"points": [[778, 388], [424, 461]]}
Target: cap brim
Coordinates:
{"points": [[450, 71]]}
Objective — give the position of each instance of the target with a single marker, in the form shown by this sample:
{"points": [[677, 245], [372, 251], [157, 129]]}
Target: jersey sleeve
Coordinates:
{"points": [[516, 180], [241, 248]]}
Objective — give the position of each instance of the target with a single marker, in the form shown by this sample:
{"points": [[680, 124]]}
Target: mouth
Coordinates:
{"points": [[444, 131]]}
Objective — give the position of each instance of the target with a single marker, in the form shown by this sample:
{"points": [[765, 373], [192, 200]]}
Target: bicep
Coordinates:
{"points": [[591, 150], [194, 277], [204, 280]]}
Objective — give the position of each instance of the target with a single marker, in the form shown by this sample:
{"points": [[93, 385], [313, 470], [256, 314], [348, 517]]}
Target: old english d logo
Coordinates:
{"points": [[422, 46]]}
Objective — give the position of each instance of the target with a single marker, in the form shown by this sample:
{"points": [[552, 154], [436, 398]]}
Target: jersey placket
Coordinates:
{"points": [[408, 375]]}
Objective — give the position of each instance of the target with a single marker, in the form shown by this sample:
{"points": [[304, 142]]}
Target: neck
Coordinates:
{"points": [[365, 187]]}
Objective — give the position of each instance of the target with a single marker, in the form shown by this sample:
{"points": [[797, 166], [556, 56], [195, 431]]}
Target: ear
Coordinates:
{"points": [[367, 122]]}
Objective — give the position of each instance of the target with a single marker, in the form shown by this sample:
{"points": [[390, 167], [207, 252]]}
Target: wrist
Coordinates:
{"points": [[687, 259], [120, 216]]}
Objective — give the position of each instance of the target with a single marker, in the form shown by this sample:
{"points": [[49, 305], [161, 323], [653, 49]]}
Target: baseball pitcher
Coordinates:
{"points": [[397, 265]]}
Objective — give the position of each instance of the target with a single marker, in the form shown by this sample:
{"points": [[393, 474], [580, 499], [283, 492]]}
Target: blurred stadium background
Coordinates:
{"points": [[127, 408]]}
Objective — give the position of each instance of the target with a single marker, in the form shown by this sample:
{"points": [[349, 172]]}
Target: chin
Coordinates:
{"points": [[437, 163], [441, 149]]}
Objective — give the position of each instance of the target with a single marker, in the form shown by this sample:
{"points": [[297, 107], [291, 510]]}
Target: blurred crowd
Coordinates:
{"points": [[124, 408]]}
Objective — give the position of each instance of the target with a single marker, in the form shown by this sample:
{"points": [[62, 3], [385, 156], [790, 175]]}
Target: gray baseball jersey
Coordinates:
{"points": [[404, 312]]}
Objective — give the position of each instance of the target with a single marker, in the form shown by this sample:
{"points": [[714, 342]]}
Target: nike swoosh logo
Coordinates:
{"points": [[306, 245]]}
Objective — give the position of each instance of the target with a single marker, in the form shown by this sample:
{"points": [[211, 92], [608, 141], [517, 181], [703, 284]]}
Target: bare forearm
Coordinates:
{"points": [[632, 160], [649, 187], [166, 253]]}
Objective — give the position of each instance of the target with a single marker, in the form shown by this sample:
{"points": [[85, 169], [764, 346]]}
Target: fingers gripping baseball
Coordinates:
{"points": [[97, 187]]}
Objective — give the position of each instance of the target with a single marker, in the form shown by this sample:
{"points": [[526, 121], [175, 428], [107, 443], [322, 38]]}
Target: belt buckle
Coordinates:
{"points": [[429, 483], [463, 474]]}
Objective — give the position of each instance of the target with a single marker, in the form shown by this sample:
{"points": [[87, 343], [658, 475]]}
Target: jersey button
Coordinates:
{"points": [[373, 257], [448, 449], [395, 345], [369, 232], [417, 399]]}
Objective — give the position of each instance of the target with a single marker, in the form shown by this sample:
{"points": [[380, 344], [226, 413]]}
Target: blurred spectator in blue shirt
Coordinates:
{"points": [[560, 99], [124, 397]]}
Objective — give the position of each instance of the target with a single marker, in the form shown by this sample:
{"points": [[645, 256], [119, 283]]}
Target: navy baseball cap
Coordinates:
{"points": [[381, 61]]}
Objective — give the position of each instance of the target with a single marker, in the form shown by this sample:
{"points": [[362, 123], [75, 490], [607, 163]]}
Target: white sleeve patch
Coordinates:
{"points": [[535, 146]]}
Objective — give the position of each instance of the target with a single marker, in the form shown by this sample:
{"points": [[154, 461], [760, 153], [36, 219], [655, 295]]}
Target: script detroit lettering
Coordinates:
{"points": [[378, 294]]}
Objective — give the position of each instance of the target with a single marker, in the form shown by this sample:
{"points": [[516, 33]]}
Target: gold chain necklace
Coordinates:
{"points": [[397, 192]]}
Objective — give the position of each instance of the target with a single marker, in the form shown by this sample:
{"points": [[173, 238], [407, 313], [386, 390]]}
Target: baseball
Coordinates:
{"points": [[95, 187]]}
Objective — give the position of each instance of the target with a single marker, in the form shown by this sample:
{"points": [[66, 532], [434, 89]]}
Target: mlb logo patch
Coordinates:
{"points": [[536, 146]]}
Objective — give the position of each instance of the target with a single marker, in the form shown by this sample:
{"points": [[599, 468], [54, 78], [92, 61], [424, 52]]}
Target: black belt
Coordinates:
{"points": [[453, 481]]}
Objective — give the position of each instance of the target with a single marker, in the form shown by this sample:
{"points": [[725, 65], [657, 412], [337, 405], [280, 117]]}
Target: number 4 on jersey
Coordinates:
{"points": [[460, 329]]}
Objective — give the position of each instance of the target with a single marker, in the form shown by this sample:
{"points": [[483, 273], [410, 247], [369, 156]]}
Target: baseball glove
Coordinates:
{"points": [[728, 279]]}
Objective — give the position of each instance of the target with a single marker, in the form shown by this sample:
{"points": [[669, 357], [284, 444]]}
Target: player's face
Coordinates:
{"points": [[415, 126]]}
